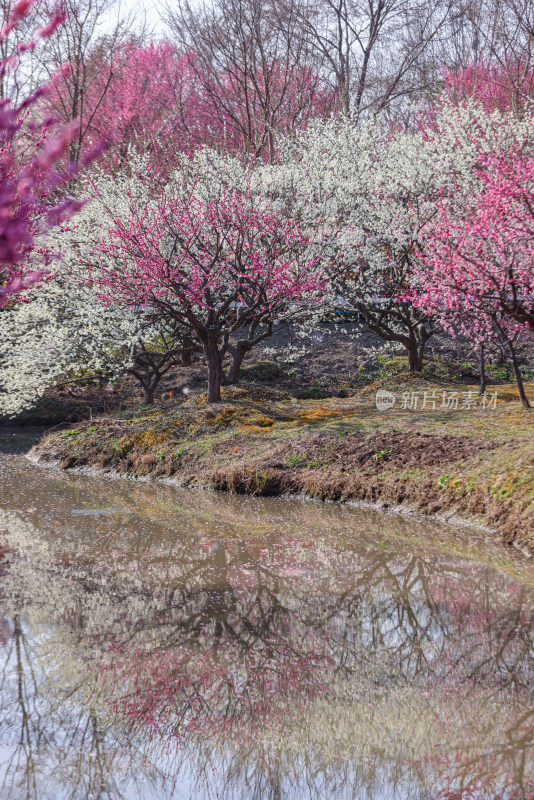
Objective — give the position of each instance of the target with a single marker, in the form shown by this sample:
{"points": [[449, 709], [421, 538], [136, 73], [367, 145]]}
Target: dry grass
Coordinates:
{"points": [[478, 463]]}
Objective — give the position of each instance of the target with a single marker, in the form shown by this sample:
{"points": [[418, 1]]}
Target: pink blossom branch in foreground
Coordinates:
{"points": [[30, 181]]}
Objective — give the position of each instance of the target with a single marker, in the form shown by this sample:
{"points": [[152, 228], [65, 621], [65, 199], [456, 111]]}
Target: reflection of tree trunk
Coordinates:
{"points": [[17, 636], [221, 586], [276, 787], [25, 739]]}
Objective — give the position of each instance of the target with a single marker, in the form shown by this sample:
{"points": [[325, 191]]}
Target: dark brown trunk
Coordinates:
{"points": [[482, 369], [148, 392], [186, 358], [234, 373], [213, 358], [415, 356], [518, 378]]}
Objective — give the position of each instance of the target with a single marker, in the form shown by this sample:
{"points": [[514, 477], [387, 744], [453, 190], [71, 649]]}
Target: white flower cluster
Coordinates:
{"points": [[63, 327], [370, 193], [376, 188], [63, 330]]}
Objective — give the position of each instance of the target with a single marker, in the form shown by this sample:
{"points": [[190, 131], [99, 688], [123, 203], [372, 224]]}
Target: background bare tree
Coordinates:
{"points": [[90, 41], [486, 34], [23, 32], [255, 68], [367, 51]]}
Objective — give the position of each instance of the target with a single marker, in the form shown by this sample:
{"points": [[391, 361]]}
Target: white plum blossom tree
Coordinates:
{"points": [[369, 192], [64, 334]]}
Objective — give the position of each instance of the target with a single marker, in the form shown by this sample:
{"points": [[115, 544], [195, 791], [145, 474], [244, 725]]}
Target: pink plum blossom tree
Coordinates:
{"points": [[159, 96], [208, 263], [255, 71], [477, 272], [92, 43], [502, 87], [137, 96], [152, 98]]}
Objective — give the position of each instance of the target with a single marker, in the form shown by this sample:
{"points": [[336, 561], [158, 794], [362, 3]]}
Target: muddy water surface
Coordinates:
{"points": [[159, 643]]}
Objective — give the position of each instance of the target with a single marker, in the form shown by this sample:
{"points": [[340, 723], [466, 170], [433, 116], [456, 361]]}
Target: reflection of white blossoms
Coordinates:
{"points": [[342, 653]]}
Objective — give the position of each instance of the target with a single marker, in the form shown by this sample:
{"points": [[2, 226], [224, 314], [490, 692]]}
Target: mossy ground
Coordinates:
{"points": [[475, 462]]}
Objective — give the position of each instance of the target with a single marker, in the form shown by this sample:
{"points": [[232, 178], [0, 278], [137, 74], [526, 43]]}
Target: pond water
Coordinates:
{"points": [[160, 643]]}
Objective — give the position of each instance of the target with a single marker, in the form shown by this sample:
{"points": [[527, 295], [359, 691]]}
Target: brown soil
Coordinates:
{"points": [[476, 465]]}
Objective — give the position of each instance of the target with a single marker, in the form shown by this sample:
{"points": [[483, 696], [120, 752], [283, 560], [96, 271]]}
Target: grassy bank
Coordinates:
{"points": [[471, 461]]}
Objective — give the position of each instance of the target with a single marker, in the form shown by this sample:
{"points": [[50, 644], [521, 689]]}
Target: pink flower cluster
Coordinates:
{"points": [[478, 264], [30, 154], [494, 86], [193, 254], [159, 96]]}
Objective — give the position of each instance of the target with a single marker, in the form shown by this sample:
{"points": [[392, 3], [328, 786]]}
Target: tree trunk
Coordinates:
{"points": [[214, 360], [147, 377], [482, 369], [234, 373], [186, 358], [415, 356], [149, 395], [518, 378]]}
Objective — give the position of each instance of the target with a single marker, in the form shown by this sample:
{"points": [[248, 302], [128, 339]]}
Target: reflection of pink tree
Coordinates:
{"points": [[489, 656], [503, 770], [195, 691], [210, 641], [232, 656], [223, 659]]}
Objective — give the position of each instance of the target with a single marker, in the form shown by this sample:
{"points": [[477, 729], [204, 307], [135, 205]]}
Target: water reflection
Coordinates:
{"points": [[159, 643]]}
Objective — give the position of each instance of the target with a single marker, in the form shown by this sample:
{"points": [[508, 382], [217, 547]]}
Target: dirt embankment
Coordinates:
{"points": [[477, 464]]}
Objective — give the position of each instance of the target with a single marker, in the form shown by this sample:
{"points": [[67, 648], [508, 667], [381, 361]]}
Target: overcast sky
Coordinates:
{"points": [[151, 9]]}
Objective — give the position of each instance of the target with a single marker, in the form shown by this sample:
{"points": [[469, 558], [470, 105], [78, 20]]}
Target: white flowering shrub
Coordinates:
{"points": [[64, 334], [369, 193]]}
